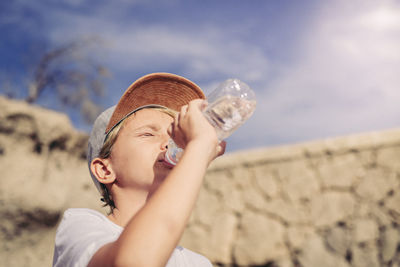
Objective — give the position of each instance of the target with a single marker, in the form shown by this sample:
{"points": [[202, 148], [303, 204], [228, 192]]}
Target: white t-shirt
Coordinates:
{"points": [[83, 231]]}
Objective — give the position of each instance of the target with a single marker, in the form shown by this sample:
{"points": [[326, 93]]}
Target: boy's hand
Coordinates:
{"points": [[190, 126]]}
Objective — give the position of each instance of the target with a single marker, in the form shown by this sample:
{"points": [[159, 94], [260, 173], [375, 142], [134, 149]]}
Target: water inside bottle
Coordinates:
{"points": [[227, 113]]}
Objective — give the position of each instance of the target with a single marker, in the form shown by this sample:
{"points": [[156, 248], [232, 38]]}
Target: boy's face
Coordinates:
{"points": [[137, 157]]}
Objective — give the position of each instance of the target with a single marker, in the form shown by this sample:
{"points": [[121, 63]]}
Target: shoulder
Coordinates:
{"points": [[87, 217], [80, 223], [79, 235], [79, 212], [82, 212]]}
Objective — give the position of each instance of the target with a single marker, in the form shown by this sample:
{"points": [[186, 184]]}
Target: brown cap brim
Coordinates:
{"points": [[164, 89]]}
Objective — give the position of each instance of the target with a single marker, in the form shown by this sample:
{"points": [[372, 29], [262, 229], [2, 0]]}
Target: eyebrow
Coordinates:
{"points": [[152, 126]]}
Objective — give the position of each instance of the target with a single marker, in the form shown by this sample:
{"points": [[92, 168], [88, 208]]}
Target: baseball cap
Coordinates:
{"points": [[152, 90]]}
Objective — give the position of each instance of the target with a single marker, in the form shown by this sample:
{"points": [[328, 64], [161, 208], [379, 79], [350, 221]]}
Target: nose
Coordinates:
{"points": [[164, 143]]}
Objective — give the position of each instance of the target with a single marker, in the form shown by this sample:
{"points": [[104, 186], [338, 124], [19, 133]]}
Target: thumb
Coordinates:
{"points": [[221, 148]]}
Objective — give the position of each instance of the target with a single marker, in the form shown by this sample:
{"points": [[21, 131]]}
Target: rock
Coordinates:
{"points": [[393, 204], [288, 212], [367, 158], [390, 239], [266, 181], [331, 207], [260, 240], [207, 207], [298, 189], [381, 214], [315, 254], [241, 176], [365, 230], [222, 237], [253, 198], [388, 157], [376, 184], [285, 262], [339, 240], [46, 172], [365, 255], [298, 235], [214, 239], [222, 183], [197, 238], [219, 181], [340, 171]]}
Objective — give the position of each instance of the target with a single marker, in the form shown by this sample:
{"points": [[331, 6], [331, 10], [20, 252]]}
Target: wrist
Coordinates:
{"points": [[201, 149]]}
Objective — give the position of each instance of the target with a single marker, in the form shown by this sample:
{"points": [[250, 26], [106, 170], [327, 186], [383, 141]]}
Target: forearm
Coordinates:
{"points": [[155, 230]]}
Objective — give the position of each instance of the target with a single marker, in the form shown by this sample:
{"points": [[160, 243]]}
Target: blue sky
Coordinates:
{"points": [[319, 68]]}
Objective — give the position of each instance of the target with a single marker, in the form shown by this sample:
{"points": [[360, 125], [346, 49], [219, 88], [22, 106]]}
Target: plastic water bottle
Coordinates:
{"points": [[229, 106]]}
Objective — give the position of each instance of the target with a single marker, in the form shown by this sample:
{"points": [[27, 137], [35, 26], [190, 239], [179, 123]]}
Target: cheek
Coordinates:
{"points": [[133, 161]]}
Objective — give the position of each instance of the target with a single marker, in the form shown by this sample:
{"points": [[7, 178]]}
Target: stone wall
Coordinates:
{"points": [[326, 203], [333, 202], [43, 172]]}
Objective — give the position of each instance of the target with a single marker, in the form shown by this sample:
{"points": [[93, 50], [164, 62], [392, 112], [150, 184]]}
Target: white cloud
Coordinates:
{"points": [[346, 78], [202, 51], [382, 18]]}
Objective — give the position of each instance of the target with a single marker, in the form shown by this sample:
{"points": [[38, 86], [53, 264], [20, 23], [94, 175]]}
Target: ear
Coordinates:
{"points": [[102, 170]]}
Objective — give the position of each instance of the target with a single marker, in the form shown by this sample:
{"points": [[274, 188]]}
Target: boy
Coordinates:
{"points": [[150, 201]]}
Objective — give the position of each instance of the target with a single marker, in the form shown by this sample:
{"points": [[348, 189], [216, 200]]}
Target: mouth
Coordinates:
{"points": [[165, 164]]}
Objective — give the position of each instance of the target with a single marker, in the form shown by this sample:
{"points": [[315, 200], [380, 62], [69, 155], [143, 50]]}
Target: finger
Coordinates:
{"points": [[170, 130], [176, 129], [175, 124], [184, 110], [203, 105], [182, 116], [221, 148], [195, 104]]}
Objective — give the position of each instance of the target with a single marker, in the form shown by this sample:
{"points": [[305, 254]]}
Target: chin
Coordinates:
{"points": [[160, 175]]}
